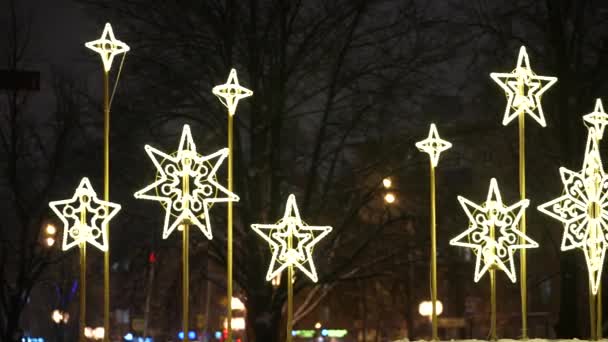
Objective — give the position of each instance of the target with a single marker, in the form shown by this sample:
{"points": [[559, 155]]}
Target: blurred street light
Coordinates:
{"points": [[318, 325], [94, 333], [389, 198], [426, 308], [49, 238], [387, 182], [50, 229]]}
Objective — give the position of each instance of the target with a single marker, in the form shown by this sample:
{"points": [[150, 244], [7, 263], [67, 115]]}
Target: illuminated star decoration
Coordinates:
{"points": [[598, 119], [304, 239], [107, 47], [524, 90], [433, 145], [85, 218], [186, 185], [582, 210], [231, 92], [494, 251]]}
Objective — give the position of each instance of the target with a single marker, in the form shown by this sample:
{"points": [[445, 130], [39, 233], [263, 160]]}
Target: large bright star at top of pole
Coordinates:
{"points": [[305, 238], [186, 185], [583, 210], [107, 46], [433, 145], [598, 119], [523, 89], [85, 217], [231, 92], [493, 249]]}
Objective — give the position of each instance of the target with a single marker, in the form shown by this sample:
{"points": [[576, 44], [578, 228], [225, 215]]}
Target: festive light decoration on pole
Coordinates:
{"points": [[108, 47], [495, 252], [229, 94], [433, 145], [524, 90], [286, 254], [85, 220], [598, 119], [186, 186]]}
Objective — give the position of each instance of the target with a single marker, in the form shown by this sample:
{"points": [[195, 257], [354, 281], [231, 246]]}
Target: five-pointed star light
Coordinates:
{"points": [[85, 218], [107, 46], [231, 92], [582, 210], [304, 238], [433, 145], [598, 119], [493, 233], [186, 185], [524, 90]]}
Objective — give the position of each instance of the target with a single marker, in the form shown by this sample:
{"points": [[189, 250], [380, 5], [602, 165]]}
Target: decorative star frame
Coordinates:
{"points": [[107, 46], [598, 119], [433, 145], [493, 233], [523, 89], [231, 92], [582, 210], [304, 237], [85, 217], [186, 185]]}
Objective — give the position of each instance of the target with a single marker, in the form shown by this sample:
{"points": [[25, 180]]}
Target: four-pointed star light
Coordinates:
{"points": [[523, 89], [304, 238], [493, 233], [107, 46], [231, 92], [85, 217], [433, 145], [186, 185], [598, 119]]}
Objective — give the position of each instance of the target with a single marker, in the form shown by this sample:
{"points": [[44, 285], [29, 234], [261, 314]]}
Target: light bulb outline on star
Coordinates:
{"points": [[300, 256], [96, 218], [433, 145], [231, 92], [108, 47], [191, 207], [537, 85], [505, 220]]}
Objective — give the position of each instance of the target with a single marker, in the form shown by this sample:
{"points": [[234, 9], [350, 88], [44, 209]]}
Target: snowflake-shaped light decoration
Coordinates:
{"points": [[433, 145], [523, 89], [107, 46], [598, 119], [231, 92], [186, 185], [85, 217], [493, 232], [582, 210], [304, 238]]}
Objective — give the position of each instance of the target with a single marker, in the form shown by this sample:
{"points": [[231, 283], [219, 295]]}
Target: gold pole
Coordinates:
{"points": [[83, 283], [492, 293], [599, 324], [229, 225], [593, 334], [186, 255], [522, 224], [106, 197], [433, 256], [289, 294]]}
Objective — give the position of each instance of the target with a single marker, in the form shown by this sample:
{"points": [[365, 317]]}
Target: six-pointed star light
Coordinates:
{"points": [[85, 218], [107, 47], [433, 145], [300, 253], [582, 210], [186, 185], [598, 119], [523, 79], [231, 92], [498, 250]]}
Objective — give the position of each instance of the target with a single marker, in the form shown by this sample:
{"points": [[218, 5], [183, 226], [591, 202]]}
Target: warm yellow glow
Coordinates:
{"points": [[598, 119], [389, 198], [523, 89], [304, 239], [107, 47], [276, 281], [318, 325], [97, 214], [231, 92], [387, 183], [425, 308], [498, 250], [238, 323], [57, 316], [50, 241], [237, 304], [186, 185], [50, 229], [94, 333], [433, 145], [582, 210]]}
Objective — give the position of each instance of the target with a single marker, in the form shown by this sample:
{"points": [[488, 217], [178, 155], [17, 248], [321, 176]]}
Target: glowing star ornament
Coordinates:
{"points": [[186, 185], [85, 217], [107, 47], [231, 92], [433, 145], [597, 120], [493, 233], [524, 90], [582, 210], [304, 237]]}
